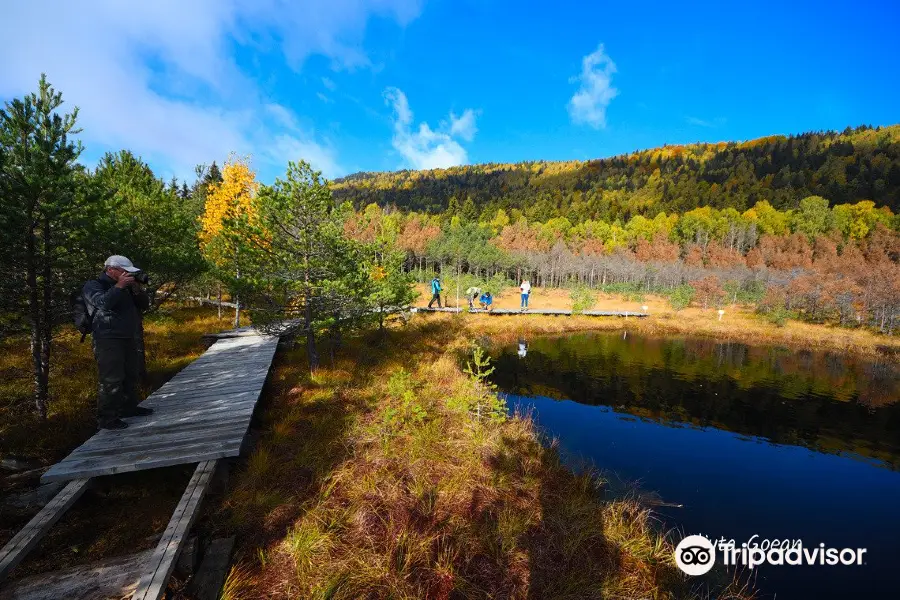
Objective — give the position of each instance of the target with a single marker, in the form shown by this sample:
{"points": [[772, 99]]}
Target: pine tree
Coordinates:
{"points": [[47, 217]]}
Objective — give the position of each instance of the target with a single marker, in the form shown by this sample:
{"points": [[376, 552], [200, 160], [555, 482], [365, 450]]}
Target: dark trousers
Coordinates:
{"points": [[119, 370], [435, 296]]}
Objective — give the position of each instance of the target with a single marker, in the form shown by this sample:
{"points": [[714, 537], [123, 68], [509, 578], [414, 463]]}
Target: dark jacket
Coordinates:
{"points": [[116, 311]]}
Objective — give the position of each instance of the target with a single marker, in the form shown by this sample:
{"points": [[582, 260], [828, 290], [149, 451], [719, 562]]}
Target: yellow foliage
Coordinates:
{"points": [[232, 198]]}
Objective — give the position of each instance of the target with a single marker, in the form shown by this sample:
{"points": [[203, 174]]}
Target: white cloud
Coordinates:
{"points": [[324, 98], [595, 92], [424, 148], [321, 156], [160, 78], [717, 122], [329, 84], [464, 125]]}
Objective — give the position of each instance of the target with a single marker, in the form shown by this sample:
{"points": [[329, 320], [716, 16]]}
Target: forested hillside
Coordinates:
{"points": [[847, 167]]}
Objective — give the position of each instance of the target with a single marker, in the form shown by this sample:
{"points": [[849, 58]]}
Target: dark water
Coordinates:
{"points": [[750, 440]]}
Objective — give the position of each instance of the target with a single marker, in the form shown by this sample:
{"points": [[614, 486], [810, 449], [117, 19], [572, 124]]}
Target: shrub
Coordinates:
{"points": [[405, 408], [681, 296], [485, 401], [779, 315], [583, 298]]}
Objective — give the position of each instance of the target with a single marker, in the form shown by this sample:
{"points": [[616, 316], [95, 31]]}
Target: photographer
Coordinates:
{"points": [[115, 301]]}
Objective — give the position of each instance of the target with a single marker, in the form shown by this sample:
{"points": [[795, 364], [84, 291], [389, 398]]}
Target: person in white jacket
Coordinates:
{"points": [[525, 288]]}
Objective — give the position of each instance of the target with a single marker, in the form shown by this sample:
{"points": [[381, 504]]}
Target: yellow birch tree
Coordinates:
{"points": [[229, 222]]}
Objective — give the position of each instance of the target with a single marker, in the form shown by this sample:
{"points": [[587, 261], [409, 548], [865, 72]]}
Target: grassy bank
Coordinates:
{"points": [[739, 323], [391, 473]]}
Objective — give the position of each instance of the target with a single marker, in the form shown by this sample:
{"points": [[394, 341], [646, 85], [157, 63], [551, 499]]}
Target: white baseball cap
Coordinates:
{"points": [[121, 262]]}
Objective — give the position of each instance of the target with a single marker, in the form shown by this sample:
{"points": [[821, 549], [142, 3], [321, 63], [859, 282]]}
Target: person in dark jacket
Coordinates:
{"points": [[115, 302]]}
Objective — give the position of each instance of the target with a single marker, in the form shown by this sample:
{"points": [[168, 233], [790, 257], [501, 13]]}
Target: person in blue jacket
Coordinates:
{"points": [[487, 301], [435, 291]]}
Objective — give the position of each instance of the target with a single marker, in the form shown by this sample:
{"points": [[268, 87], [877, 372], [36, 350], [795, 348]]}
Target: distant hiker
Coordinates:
{"points": [[487, 301], [435, 292], [472, 294], [114, 303], [525, 288]]}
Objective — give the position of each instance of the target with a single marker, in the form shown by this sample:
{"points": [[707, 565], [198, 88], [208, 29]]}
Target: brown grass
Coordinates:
{"points": [[374, 479], [739, 323]]}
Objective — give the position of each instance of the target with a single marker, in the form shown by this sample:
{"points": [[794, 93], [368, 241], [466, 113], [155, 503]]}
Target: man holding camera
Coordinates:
{"points": [[115, 301]]}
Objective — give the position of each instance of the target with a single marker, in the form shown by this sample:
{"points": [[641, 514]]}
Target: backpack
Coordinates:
{"points": [[82, 317]]}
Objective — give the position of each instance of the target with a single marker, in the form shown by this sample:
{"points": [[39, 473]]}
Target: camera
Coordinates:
{"points": [[141, 277]]}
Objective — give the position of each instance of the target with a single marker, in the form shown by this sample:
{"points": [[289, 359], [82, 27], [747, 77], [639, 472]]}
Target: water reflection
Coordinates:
{"points": [[691, 420], [820, 400]]}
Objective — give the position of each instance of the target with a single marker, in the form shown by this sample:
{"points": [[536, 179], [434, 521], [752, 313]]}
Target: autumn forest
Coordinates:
{"points": [[802, 226]]}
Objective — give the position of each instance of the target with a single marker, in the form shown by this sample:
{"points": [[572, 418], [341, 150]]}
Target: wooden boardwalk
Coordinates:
{"points": [[537, 311], [201, 414]]}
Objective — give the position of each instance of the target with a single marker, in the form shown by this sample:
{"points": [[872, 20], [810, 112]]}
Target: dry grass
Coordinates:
{"points": [[739, 323], [374, 479]]}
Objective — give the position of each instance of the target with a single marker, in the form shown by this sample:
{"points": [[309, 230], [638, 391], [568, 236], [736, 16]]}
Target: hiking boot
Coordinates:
{"points": [[138, 411], [114, 424]]}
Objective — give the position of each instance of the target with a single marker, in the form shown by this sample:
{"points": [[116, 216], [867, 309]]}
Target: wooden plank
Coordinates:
{"points": [[22, 543], [133, 457], [167, 442], [110, 578], [156, 572], [100, 468], [188, 389]]}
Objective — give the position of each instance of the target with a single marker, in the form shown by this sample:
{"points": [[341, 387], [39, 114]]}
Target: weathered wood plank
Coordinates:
{"points": [[156, 572], [111, 578], [157, 461], [224, 388], [168, 441], [22, 543]]}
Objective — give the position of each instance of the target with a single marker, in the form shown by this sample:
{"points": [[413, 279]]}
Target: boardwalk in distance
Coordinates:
{"points": [[537, 311]]}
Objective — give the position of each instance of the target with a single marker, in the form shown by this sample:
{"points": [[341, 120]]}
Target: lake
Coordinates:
{"points": [[748, 440]]}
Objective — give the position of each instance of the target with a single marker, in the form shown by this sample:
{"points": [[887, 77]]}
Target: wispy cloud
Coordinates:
{"points": [[425, 148], [329, 84], [595, 90], [717, 122], [161, 79], [464, 125]]}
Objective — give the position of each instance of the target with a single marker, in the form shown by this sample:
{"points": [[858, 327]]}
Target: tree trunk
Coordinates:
{"points": [[46, 325], [34, 315], [220, 301], [237, 303], [308, 319]]}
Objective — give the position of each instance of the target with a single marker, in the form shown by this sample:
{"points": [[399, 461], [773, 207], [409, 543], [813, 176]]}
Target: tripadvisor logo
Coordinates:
{"points": [[696, 554]]}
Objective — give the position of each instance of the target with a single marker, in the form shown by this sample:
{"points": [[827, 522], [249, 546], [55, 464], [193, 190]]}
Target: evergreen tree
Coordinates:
{"points": [[48, 220]]}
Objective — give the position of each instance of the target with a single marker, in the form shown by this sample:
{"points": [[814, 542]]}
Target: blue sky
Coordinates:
{"points": [[370, 85]]}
